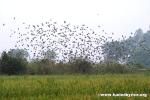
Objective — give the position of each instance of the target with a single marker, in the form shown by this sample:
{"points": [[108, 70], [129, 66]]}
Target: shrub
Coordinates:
{"points": [[62, 68], [110, 67], [40, 66], [80, 65]]}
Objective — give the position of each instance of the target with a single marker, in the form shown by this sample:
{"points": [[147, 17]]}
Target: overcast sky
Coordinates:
{"points": [[118, 16]]}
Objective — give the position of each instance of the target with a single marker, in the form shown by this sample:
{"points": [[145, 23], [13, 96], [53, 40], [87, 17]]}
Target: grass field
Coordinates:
{"points": [[74, 87]]}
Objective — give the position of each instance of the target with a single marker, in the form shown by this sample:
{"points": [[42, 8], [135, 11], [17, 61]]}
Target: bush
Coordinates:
{"points": [[80, 65], [62, 68], [110, 67], [40, 66]]}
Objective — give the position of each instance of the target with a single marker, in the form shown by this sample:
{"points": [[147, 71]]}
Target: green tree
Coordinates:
{"points": [[81, 65], [11, 64], [126, 50], [18, 53], [115, 51], [141, 52], [50, 55]]}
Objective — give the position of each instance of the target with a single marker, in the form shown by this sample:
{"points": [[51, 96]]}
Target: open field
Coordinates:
{"points": [[74, 87]]}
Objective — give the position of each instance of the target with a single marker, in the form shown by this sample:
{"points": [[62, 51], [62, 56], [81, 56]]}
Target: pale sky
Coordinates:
{"points": [[117, 16]]}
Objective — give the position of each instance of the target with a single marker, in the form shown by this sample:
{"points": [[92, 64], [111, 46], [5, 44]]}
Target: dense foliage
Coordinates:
{"points": [[10, 64], [134, 50]]}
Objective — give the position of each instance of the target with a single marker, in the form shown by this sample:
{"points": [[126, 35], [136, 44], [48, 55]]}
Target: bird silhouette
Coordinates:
{"points": [[66, 39]]}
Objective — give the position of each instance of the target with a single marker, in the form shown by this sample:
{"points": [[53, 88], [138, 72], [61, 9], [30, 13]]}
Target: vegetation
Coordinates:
{"points": [[81, 66], [133, 50], [111, 67], [73, 87], [84, 54], [11, 64], [74, 49]]}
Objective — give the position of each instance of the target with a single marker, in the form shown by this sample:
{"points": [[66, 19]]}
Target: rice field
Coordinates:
{"points": [[75, 87]]}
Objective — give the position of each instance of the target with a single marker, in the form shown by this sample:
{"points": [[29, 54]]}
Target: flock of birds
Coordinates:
{"points": [[68, 41]]}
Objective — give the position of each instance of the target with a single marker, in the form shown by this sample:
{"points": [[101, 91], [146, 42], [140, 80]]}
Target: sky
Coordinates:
{"points": [[117, 16]]}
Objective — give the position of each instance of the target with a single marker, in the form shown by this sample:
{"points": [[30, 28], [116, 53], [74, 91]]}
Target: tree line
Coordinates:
{"points": [[126, 55], [133, 50], [14, 62]]}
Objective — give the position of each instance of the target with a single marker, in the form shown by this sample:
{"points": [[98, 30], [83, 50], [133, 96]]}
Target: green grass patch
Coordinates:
{"points": [[74, 87]]}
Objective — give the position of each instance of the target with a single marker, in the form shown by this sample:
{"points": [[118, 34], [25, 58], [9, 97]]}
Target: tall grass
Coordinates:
{"points": [[73, 87]]}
